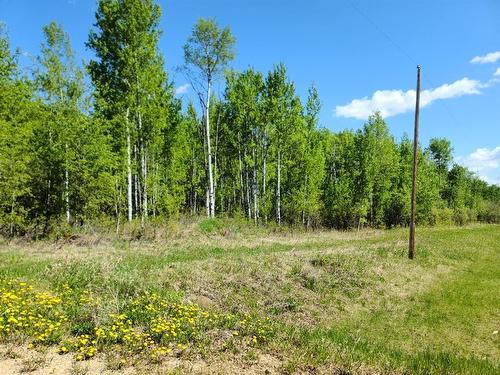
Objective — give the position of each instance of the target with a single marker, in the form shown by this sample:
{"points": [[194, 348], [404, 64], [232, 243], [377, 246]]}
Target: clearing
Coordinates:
{"points": [[227, 298]]}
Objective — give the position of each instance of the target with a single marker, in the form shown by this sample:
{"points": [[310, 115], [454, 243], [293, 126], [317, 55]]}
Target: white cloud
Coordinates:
{"points": [[497, 73], [394, 102], [488, 58], [485, 162], [182, 89]]}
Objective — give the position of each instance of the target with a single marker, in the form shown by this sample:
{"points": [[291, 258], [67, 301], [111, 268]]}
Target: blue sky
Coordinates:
{"points": [[360, 54]]}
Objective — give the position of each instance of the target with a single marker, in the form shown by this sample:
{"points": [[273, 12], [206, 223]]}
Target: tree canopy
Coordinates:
{"points": [[126, 149]]}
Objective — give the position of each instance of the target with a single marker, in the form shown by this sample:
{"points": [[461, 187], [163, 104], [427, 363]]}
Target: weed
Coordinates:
{"points": [[32, 363], [79, 369]]}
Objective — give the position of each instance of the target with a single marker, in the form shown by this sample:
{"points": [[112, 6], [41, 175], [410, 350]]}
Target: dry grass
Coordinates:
{"points": [[338, 301]]}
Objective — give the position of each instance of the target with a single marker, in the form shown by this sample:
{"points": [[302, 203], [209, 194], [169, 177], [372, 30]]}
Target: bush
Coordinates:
{"points": [[463, 216], [490, 213], [442, 216]]}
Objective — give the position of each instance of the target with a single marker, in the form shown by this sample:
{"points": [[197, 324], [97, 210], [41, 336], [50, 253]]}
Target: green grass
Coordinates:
{"points": [[211, 225], [337, 301]]}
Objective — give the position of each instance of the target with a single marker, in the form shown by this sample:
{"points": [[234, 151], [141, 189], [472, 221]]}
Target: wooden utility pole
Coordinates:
{"points": [[411, 250]]}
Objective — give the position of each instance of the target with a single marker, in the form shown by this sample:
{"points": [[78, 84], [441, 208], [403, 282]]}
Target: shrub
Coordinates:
{"points": [[463, 216], [490, 213], [442, 216]]}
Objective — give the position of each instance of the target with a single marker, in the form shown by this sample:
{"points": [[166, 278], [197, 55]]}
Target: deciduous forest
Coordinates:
{"points": [[108, 142], [232, 228]]}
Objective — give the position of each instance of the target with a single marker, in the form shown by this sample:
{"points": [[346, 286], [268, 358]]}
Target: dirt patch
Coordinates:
{"points": [[15, 360], [20, 360]]}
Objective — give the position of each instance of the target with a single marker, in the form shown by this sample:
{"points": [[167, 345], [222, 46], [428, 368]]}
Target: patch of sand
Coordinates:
{"points": [[17, 359]]}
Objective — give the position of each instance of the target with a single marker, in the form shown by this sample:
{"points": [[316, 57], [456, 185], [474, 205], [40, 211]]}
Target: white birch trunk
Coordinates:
{"points": [[144, 172], [247, 190], [66, 184], [278, 189], [264, 177], [129, 172], [144, 187], [242, 191], [254, 188], [211, 197]]}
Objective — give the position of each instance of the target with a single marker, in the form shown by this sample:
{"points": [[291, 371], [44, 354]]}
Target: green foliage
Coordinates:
{"points": [[18, 116], [490, 212], [8, 62], [211, 225], [126, 151], [135, 105], [441, 153], [209, 48]]}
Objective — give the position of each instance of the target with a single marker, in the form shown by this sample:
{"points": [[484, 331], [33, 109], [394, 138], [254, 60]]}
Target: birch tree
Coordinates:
{"points": [[313, 171], [278, 107], [244, 100], [257, 152], [132, 91], [60, 84], [208, 50]]}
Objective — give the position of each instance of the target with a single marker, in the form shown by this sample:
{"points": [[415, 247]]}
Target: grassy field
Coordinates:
{"points": [[223, 298]]}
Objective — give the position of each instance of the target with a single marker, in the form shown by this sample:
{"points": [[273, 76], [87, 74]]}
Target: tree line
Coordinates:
{"points": [[124, 149]]}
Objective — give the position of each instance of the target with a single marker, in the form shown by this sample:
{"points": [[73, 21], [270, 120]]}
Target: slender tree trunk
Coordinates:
{"points": [[246, 186], [48, 203], [129, 171], [211, 196], [223, 202], [234, 194], [254, 188], [195, 192], [139, 192], [247, 189], [216, 152], [192, 190], [66, 183], [304, 203], [371, 207], [12, 212], [205, 159], [145, 185], [154, 198], [66, 177], [278, 189], [117, 205], [264, 179], [144, 173], [240, 170], [136, 190], [135, 193], [49, 182]]}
